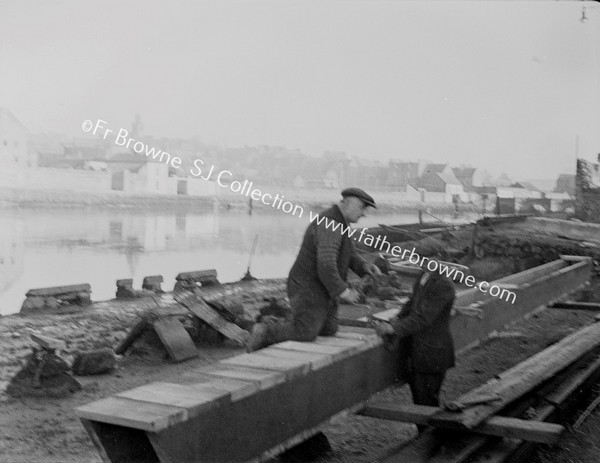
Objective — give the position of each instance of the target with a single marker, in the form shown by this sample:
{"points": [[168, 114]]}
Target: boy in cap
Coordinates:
{"points": [[422, 331], [317, 280]]}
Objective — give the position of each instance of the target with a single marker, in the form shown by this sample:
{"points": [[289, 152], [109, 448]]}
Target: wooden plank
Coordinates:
{"points": [[352, 345], [337, 352], [352, 329], [534, 431], [47, 342], [209, 315], [520, 379], [264, 378], [237, 389], [132, 413], [314, 359], [594, 306], [132, 335], [175, 338], [198, 275], [358, 322], [290, 367], [370, 339], [191, 397], [58, 290]]}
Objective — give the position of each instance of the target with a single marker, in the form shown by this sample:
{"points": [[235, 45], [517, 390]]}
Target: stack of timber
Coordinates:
{"points": [[256, 405]]}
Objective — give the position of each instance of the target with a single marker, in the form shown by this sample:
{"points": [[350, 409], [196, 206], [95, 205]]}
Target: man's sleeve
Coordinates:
{"points": [[434, 300], [328, 248], [357, 263]]}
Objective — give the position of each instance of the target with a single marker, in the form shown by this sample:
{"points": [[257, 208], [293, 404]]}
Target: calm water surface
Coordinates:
{"points": [[40, 248]]}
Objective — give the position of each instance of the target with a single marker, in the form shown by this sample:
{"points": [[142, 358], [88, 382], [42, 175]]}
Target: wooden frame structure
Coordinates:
{"points": [[252, 406]]}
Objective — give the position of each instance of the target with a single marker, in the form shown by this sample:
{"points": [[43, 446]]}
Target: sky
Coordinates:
{"points": [[509, 86]]}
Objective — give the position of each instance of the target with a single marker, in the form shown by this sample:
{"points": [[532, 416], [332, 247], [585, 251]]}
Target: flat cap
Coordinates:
{"points": [[360, 194]]}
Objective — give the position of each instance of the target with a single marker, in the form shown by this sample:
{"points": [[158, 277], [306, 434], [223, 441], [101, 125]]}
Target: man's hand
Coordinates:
{"points": [[372, 269], [350, 296]]}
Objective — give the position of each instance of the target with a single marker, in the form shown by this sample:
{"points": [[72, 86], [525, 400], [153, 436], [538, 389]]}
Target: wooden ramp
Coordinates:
{"points": [[251, 406]]}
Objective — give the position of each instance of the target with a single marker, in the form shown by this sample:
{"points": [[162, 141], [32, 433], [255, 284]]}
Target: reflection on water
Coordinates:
{"points": [[41, 248]]}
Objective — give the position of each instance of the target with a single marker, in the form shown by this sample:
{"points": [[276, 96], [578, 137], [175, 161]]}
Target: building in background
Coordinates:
{"points": [[14, 146]]}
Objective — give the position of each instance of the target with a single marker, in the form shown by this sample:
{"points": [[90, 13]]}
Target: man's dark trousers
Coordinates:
{"points": [[313, 316], [425, 387]]}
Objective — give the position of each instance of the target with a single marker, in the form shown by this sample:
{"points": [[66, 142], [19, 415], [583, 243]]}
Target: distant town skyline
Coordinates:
{"points": [[505, 86]]}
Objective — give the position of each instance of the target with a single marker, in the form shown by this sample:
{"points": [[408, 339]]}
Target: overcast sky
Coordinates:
{"points": [[508, 86]]}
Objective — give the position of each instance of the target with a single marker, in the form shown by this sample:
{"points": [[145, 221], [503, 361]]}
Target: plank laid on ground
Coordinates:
{"points": [[58, 290], [535, 431], [175, 338], [194, 398], [209, 315], [575, 305], [520, 379], [132, 413]]}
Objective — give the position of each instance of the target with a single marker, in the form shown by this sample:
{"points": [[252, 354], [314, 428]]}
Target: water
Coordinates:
{"points": [[40, 248]]}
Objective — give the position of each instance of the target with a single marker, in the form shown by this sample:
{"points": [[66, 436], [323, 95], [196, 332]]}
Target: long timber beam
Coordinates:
{"points": [[251, 406]]}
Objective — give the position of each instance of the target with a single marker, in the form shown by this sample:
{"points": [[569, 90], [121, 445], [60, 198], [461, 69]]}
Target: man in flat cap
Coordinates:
{"points": [[317, 280]]}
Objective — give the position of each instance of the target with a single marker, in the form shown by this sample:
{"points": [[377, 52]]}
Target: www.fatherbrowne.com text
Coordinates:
{"points": [[382, 244]]}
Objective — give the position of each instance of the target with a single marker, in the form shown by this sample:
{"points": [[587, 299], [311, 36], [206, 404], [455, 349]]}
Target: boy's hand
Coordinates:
{"points": [[384, 329]]}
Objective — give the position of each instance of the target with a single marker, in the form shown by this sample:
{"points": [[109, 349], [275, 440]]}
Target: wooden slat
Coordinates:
{"points": [[58, 290], [520, 379], [194, 398], [352, 345], [369, 340], [290, 367], [264, 378], [209, 315], [197, 275], [338, 352], [132, 413], [236, 387], [535, 431], [314, 359], [357, 322], [175, 338]]}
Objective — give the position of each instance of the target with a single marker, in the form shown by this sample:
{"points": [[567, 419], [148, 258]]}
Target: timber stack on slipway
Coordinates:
{"points": [[253, 406]]}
